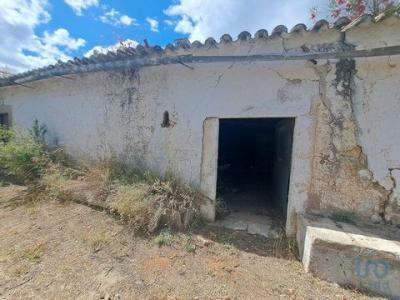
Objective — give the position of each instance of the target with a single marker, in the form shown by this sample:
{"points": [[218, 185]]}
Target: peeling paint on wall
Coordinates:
{"points": [[342, 180]]}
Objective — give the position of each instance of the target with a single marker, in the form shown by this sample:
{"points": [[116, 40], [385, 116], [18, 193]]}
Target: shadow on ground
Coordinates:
{"points": [[281, 247]]}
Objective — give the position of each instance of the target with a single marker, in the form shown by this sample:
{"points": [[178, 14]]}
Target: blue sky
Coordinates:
{"points": [[89, 26], [39, 32]]}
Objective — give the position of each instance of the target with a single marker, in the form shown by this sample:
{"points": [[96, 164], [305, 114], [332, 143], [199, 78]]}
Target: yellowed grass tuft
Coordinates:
{"points": [[95, 240], [34, 253], [154, 203]]}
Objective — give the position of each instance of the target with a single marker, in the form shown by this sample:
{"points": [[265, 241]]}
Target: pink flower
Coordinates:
{"points": [[335, 13], [313, 13], [360, 9]]}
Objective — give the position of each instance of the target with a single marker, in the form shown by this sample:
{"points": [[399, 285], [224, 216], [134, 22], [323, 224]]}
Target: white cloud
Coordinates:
{"points": [[169, 22], [115, 47], [153, 24], [184, 25], [203, 18], [115, 18], [126, 20], [20, 47], [79, 5], [61, 37]]}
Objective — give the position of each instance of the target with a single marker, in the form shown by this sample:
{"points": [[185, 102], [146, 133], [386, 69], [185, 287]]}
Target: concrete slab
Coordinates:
{"points": [[261, 229], [346, 254], [232, 223], [252, 223]]}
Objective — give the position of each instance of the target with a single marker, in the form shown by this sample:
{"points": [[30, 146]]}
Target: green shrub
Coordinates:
{"points": [[5, 134], [164, 238], [22, 158], [25, 158], [38, 132]]}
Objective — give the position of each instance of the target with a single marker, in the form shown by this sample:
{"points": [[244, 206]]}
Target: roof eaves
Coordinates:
{"points": [[144, 52]]}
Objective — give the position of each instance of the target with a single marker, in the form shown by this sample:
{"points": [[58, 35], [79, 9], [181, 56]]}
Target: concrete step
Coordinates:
{"points": [[350, 256], [266, 226]]}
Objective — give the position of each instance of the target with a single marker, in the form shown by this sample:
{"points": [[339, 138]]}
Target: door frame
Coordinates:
{"points": [[300, 173]]}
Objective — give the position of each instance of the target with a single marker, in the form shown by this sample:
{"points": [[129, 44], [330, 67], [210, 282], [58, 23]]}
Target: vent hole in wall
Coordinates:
{"points": [[165, 122]]}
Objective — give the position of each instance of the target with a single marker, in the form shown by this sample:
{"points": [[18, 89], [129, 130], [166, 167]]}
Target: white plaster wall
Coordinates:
{"points": [[120, 113], [377, 110], [94, 115]]}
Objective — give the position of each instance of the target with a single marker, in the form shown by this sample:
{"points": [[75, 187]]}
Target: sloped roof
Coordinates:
{"points": [[182, 49]]}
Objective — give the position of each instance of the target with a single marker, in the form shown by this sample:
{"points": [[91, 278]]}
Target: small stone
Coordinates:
{"points": [[139, 282], [106, 297], [388, 218], [376, 219], [203, 242]]}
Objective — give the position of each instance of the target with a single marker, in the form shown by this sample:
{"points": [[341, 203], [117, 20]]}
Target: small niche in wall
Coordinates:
{"points": [[165, 121]]}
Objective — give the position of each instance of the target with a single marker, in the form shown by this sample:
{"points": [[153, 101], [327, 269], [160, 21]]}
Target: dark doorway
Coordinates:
{"points": [[254, 162]]}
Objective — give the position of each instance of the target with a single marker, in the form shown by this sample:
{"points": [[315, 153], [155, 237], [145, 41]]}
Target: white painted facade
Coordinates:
{"points": [[120, 113]]}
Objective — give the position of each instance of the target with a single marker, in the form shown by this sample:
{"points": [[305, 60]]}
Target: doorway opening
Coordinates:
{"points": [[254, 162]]}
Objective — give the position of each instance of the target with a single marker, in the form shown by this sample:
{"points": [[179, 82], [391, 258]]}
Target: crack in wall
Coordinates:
{"points": [[338, 159], [392, 205], [390, 208], [223, 73], [230, 67]]}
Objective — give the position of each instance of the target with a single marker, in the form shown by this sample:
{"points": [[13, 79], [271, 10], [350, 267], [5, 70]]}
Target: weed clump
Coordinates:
{"points": [[22, 157], [25, 157], [154, 203], [164, 238], [35, 253]]}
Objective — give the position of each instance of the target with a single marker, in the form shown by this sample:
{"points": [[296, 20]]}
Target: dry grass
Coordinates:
{"points": [[35, 252], [31, 252], [69, 251], [53, 183], [134, 206], [11, 195], [144, 201], [95, 240], [101, 174], [152, 204]]}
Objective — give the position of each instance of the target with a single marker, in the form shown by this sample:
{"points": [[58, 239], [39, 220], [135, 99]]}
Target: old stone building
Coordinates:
{"points": [[310, 114], [303, 121]]}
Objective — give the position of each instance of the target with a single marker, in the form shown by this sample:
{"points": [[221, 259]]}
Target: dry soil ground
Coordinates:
{"points": [[54, 250]]}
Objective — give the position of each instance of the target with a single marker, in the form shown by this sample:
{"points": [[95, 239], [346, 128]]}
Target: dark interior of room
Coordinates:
{"points": [[254, 162]]}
